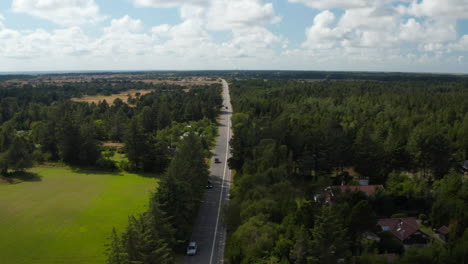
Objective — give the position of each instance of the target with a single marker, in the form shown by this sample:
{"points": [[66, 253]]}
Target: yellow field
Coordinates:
{"points": [[110, 98]]}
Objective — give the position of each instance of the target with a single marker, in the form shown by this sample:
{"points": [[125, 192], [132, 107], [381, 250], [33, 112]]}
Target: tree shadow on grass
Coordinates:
{"points": [[23, 176], [115, 172]]}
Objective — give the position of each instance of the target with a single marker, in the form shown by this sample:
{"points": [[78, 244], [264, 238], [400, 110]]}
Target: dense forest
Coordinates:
{"points": [[294, 139], [41, 124]]}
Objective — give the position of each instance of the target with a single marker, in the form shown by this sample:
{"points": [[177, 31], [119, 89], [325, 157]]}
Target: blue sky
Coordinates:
{"points": [[358, 35]]}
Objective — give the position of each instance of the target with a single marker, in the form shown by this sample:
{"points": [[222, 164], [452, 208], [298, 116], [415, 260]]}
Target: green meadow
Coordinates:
{"points": [[66, 216]]}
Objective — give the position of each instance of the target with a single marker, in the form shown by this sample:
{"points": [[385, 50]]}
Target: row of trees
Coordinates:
{"points": [[292, 139], [154, 236]]}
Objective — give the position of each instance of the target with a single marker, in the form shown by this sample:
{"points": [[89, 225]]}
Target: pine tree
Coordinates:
{"points": [[115, 252], [135, 144], [330, 241]]}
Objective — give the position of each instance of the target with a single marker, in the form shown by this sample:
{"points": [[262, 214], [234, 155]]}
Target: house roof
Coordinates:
{"points": [[465, 165], [402, 228], [443, 230], [367, 189]]}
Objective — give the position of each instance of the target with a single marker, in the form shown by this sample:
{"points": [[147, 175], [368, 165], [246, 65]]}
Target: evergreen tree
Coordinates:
{"points": [[115, 251], [329, 239], [135, 144]]}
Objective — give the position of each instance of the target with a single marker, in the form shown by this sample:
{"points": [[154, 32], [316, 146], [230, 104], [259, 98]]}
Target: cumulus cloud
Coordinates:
{"points": [[246, 20], [166, 3], [227, 14], [364, 35], [324, 4], [461, 44], [124, 36], [322, 34], [436, 8], [61, 12], [40, 43], [431, 31], [125, 24]]}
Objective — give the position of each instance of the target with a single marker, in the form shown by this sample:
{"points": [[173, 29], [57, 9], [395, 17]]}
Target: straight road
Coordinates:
{"points": [[209, 231]]}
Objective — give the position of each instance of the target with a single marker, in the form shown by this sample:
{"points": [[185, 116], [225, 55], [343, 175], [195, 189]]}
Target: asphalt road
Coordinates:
{"points": [[209, 231]]}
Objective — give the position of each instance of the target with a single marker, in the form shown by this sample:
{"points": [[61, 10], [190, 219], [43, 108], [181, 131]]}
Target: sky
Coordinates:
{"points": [[331, 35]]}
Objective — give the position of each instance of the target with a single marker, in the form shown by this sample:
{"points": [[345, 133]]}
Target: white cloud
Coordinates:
{"points": [[61, 12], [436, 8], [322, 34], [368, 35], [246, 20], [431, 31], [124, 36], [325, 4], [375, 18], [228, 14], [461, 44], [166, 3], [125, 24]]}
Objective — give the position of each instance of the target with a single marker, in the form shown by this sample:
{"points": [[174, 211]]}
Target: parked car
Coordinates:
{"points": [[192, 248], [209, 185], [217, 160]]}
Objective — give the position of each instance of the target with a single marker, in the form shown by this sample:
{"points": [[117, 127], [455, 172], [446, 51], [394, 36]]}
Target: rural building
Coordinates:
{"points": [[465, 167], [443, 232], [332, 191], [405, 229]]}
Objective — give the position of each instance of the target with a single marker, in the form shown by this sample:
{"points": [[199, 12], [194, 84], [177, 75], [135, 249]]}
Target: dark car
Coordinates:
{"points": [[209, 185], [217, 160]]}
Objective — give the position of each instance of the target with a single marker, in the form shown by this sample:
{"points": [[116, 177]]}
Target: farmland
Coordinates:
{"points": [[66, 216]]}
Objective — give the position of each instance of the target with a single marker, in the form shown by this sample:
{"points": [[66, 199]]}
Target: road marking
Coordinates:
{"points": [[222, 187]]}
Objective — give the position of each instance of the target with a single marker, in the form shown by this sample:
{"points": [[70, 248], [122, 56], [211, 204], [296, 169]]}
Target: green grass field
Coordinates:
{"points": [[67, 216]]}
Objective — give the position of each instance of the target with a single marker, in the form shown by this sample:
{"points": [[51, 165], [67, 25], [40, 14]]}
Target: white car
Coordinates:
{"points": [[192, 248]]}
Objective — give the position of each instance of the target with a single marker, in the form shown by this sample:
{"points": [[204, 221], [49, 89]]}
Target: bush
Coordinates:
{"points": [[106, 164], [422, 217], [399, 215], [124, 165]]}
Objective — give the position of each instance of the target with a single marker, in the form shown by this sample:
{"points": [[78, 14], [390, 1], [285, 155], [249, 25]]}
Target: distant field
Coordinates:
{"points": [[67, 216], [110, 98]]}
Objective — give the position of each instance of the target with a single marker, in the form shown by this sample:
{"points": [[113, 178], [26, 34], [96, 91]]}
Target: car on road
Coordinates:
{"points": [[209, 185], [192, 248], [217, 160]]}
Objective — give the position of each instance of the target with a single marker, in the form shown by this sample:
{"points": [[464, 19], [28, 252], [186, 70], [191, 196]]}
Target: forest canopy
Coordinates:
{"points": [[296, 142]]}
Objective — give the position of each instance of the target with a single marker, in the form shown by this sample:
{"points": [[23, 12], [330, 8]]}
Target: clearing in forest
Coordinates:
{"points": [[66, 216], [110, 98]]}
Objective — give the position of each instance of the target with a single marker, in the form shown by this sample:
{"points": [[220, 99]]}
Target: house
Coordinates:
{"points": [[465, 167], [443, 232], [363, 181], [405, 229], [331, 192]]}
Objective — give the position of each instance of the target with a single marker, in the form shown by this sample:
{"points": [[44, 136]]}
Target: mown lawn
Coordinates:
{"points": [[67, 216]]}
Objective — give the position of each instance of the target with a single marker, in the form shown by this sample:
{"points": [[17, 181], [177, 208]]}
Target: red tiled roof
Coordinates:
{"points": [[443, 230], [402, 228], [367, 189]]}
